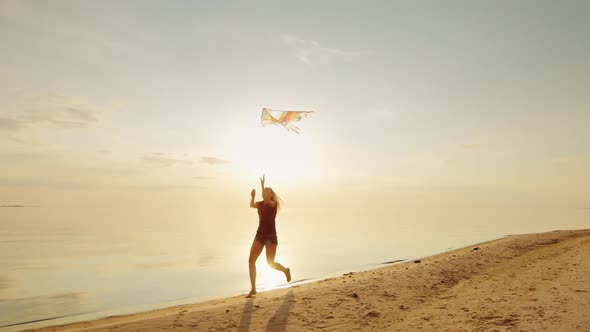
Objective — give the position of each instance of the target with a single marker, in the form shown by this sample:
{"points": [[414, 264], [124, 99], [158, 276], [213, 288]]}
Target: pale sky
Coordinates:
{"points": [[112, 99]]}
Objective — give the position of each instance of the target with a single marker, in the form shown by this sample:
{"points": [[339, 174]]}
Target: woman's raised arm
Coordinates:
{"points": [[253, 194]]}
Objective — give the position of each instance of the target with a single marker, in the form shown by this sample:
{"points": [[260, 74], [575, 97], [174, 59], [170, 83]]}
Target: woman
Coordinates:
{"points": [[266, 235]]}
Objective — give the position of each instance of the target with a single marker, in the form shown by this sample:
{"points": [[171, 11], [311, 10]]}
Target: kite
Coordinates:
{"points": [[283, 118]]}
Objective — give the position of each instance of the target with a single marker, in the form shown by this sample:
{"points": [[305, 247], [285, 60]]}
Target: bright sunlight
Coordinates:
{"points": [[291, 154]]}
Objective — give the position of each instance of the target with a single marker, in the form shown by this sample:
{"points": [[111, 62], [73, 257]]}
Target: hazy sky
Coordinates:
{"points": [[139, 98]]}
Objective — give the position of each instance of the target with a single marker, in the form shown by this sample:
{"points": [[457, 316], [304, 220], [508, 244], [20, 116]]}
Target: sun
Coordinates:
{"points": [[272, 150], [266, 277]]}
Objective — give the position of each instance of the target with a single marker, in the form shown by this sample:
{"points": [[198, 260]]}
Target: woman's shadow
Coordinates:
{"points": [[278, 322]]}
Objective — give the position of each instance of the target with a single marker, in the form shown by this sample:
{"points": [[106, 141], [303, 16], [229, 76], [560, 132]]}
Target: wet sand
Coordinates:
{"points": [[533, 282]]}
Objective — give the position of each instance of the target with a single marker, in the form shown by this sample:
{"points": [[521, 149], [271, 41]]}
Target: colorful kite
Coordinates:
{"points": [[283, 118]]}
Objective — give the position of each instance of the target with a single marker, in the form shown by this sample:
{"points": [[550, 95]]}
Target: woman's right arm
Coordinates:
{"points": [[252, 203]]}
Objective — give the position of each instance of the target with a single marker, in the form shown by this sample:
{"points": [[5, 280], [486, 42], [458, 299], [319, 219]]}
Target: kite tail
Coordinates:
{"points": [[293, 128]]}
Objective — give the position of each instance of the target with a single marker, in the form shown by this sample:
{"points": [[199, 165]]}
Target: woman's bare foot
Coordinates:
{"points": [[288, 274], [252, 293]]}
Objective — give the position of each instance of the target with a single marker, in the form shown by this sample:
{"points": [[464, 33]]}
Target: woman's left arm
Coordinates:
{"points": [[252, 203]]}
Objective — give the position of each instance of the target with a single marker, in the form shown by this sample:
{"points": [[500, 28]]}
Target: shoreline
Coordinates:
{"points": [[363, 300], [66, 320]]}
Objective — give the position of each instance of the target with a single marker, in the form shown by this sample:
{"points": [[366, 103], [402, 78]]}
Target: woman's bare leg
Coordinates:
{"points": [[255, 251], [271, 251]]}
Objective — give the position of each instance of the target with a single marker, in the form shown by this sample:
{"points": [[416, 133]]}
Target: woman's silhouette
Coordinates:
{"points": [[266, 235]]}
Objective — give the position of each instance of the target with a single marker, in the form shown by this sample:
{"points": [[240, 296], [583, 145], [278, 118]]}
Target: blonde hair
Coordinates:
{"points": [[276, 198]]}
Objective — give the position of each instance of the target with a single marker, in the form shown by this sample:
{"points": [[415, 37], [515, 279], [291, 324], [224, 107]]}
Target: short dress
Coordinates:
{"points": [[267, 232]]}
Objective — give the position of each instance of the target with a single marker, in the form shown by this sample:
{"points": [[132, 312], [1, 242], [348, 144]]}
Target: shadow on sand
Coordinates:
{"points": [[246, 315], [278, 322]]}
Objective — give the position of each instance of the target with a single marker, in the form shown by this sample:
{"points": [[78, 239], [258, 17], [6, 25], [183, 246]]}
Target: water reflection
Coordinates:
{"points": [[25, 310]]}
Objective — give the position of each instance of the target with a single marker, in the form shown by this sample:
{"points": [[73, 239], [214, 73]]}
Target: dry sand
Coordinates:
{"points": [[535, 282]]}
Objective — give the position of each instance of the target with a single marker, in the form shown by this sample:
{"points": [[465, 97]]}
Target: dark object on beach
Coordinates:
{"points": [[373, 314], [348, 274], [417, 261], [392, 262], [476, 248], [226, 310], [354, 295]]}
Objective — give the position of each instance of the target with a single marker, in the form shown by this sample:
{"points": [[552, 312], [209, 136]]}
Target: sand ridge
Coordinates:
{"points": [[533, 282]]}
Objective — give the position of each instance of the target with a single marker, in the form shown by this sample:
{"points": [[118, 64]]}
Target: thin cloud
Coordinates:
{"points": [[63, 118], [17, 139], [50, 110], [40, 183], [310, 51], [214, 161], [162, 159], [10, 124]]}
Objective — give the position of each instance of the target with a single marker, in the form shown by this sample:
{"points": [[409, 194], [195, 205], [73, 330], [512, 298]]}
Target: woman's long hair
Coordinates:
{"points": [[276, 198]]}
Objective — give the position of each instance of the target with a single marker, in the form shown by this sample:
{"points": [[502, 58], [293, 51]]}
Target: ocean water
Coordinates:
{"points": [[58, 267]]}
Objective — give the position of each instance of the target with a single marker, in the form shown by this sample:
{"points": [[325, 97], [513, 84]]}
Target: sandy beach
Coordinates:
{"points": [[533, 282]]}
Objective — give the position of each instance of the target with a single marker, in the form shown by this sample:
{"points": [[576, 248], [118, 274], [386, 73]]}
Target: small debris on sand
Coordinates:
{"points": [[373, 314]]}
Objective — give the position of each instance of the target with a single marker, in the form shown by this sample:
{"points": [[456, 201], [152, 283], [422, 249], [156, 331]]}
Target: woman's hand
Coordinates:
{"points": [[262, 181], [253, 194]]}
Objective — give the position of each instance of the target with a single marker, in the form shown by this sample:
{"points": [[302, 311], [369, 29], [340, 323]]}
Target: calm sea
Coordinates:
{"points": [[57, 270]]}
